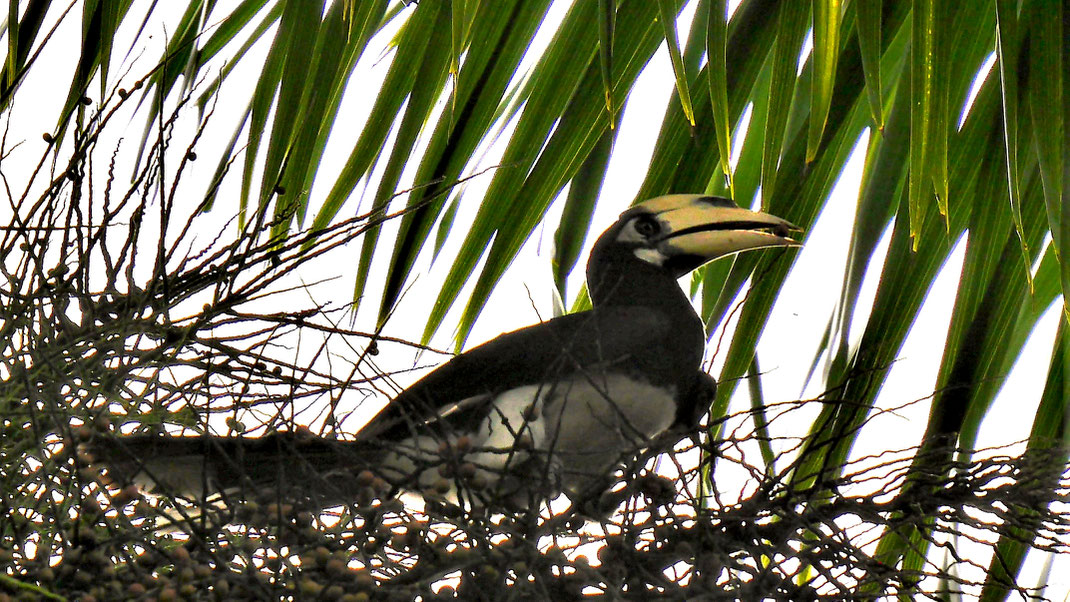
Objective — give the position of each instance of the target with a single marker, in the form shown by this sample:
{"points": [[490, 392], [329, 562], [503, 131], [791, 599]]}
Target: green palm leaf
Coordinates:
{"points": [[461, 74]]}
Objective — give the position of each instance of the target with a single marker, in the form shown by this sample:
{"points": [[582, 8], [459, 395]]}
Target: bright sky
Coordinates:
{"points": [[524, 295]]}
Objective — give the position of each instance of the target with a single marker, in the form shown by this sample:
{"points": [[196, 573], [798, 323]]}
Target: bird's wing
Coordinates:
{"points": [[541, 353]]}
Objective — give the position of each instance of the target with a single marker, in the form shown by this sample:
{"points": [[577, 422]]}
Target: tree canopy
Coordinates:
{"points": [[120, 310]]}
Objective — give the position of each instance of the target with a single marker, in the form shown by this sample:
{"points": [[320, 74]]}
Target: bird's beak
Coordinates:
{"points": [[710, 227]]}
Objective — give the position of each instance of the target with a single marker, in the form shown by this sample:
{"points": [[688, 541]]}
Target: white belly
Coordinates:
{"points": [[592, 424], [584, 426]]}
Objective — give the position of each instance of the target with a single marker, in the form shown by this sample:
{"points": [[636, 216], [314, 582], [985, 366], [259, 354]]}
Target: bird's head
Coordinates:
{"points": [[678, 233]]}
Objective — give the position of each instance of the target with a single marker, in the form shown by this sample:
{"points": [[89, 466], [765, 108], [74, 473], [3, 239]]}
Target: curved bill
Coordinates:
{"points": [[712, 227]]}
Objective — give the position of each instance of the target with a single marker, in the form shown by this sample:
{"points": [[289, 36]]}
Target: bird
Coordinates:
{"points": [[551, 408]]}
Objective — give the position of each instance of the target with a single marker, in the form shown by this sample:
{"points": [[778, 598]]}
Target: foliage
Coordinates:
{"points": [[459, 77]]}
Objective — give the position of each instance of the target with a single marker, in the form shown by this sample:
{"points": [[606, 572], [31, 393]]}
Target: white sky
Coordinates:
{"points": [[523, 296]]}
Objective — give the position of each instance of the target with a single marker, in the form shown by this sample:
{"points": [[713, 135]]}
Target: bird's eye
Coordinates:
{"points": [[647, 226]]}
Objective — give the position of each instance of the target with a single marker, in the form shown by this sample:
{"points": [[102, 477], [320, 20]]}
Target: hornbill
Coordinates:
{"points": [[548, 408]]}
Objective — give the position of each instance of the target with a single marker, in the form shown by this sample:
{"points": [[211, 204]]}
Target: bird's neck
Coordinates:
{"points": [[678, 359], [637, 283]]}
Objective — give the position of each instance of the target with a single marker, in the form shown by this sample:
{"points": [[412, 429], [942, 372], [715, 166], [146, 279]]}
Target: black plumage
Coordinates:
{"points": [[549, 407]]}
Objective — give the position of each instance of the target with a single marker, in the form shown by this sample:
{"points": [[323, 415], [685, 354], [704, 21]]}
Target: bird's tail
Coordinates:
{"points": [[294, 465]]}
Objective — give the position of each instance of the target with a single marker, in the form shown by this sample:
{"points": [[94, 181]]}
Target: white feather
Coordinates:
{"points": [[584, 425]]}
